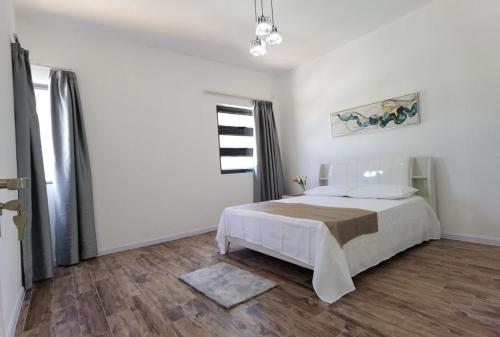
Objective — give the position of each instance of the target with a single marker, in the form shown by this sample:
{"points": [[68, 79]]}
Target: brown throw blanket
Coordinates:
{"points": [[345, 224]]}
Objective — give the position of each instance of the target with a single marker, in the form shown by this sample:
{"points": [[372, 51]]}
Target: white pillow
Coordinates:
{"points": [[382, 192], [329, 191]]}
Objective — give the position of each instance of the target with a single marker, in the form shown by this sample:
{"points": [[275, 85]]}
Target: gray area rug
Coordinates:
{"points": [[226, 284]]}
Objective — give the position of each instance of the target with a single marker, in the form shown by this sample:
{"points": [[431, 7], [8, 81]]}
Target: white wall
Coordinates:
{"points": [[449, 52], [152, 132], [10, 257]]}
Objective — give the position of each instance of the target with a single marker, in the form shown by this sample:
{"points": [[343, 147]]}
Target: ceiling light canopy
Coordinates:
{"points": [[266, 31]]}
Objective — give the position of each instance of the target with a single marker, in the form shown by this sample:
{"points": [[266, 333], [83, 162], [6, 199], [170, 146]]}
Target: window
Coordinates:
{"points": [[42, 97], [236, 139]]}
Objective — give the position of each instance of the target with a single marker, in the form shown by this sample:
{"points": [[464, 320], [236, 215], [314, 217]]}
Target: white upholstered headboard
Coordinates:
{"points": [[412, 171]]}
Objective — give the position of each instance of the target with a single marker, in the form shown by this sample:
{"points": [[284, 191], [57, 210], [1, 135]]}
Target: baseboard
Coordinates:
{"points": [[156, 241], [476, 239], [11, 328]]}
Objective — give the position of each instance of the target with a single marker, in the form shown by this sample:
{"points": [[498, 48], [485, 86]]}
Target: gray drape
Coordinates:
{"points": [[36, 244], [268, 178], [73, 198]]}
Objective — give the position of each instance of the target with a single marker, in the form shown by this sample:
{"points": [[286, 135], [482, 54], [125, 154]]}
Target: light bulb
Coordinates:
{"points": [[257, 47], [274, 37], [263, 26]]}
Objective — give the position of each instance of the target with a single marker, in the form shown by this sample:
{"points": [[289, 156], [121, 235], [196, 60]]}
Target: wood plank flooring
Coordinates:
{"points": [[441, 288]]}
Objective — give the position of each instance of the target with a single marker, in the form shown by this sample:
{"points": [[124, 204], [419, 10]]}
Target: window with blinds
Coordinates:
{"points": [[236, 139]]}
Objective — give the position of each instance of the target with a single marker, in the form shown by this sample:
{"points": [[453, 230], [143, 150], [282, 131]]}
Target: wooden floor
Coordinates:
{"points": [[442, 288]]}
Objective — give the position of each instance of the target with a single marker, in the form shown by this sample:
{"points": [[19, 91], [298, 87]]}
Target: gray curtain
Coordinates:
{"points": [[74, 205], [36, 245], [268, 178]]}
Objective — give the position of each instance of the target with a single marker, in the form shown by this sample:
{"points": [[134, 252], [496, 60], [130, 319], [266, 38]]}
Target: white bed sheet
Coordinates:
{"points": [[401, 225]]}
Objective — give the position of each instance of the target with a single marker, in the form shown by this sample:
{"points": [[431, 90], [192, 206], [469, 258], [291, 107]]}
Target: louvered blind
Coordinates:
{"points": [[236, 139]]}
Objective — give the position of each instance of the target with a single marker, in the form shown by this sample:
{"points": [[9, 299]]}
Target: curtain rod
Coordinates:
{"points": [[51, 67], [218, 93]]}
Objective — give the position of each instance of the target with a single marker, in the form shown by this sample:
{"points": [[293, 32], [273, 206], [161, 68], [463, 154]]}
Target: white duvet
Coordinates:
{"points": [[401, 225]]}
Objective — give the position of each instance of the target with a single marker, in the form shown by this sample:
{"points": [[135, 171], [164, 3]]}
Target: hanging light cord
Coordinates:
{"points": [[255, 8], [262, 7], [272, 12]]}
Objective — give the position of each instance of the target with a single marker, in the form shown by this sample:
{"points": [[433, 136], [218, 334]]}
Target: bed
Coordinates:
{"points": [[402, 223]]}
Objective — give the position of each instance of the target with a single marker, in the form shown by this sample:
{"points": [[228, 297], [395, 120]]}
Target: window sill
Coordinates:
{"points": [[237, 171]]}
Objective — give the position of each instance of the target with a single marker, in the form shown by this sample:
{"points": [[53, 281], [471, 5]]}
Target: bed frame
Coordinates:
{"points": [[421, 176]]}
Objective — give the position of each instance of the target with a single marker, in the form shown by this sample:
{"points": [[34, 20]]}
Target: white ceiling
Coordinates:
{"points": [[220, 30]]}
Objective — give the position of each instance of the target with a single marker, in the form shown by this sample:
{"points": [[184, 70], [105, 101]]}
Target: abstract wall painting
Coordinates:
{"points": [[391, 113]]}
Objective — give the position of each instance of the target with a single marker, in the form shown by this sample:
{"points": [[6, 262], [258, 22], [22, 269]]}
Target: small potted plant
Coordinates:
{"points": [[301, 181]]}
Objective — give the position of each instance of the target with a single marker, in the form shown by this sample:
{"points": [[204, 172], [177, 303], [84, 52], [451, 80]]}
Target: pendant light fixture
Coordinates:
{"points": [[274, 36], [266, 31], [258, 47], [263, 23]]}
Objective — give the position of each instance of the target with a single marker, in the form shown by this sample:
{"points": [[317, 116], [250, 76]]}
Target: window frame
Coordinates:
{"points": [[45, 87], [40, 86], [241, 131]]}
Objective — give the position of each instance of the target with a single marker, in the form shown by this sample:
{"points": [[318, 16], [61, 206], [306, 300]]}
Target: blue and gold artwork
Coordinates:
{"points": [[400, 111]]}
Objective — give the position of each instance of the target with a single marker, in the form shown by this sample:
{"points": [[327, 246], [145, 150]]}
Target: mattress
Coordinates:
{"points": [[401, 225]]}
